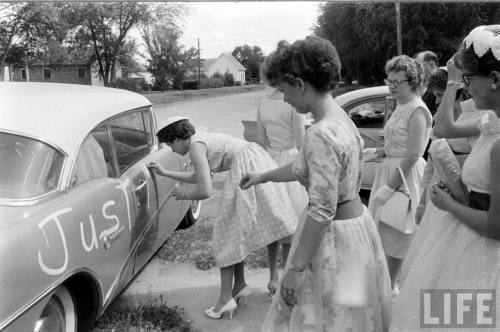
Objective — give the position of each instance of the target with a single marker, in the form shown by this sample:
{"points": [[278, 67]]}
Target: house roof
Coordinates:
{"points": [[207, 63]]}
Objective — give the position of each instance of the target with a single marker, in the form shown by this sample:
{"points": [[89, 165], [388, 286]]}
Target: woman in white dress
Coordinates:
{"points": [[280, 130], [463, 251], [246, 220], [406, 134]]}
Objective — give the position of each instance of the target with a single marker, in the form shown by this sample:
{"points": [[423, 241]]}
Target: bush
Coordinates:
{"points": [[132, 84], [189, 85], [208, 83], [228, 79]]}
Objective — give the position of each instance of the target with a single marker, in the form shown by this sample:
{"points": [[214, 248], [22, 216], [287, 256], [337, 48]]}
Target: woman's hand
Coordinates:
{"points": [[290, 287], [454, 74], [440, 196], [178, 193], [155, 167], [250, 179]]}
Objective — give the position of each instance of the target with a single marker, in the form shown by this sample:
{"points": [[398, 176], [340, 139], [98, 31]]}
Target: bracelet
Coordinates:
{"points": [[296, 268]]}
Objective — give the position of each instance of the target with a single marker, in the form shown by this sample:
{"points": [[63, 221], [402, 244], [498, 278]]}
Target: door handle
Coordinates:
{"points": [[139, 187]]}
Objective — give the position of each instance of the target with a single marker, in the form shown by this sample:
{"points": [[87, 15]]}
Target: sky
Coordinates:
{"points": [[222, 26]]}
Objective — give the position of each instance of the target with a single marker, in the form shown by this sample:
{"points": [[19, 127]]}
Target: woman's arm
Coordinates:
{"points": [[486, 223], [299, 128], [198, 156], [281, 174], [261, 130], [444, 120], [417, 127], [187, 177]]}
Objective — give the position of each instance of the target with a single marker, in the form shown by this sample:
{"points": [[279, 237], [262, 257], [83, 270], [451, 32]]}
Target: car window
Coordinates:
{"points": [[129, 139], [369, 113], [148, 121], [95, 157], [29, 167]]}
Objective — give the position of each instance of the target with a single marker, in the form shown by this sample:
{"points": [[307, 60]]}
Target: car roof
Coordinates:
{"points": [[350, 96], [61, 114]]}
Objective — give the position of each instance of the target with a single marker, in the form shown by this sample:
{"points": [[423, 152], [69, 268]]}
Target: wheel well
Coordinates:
{"points": [[85, 293]]}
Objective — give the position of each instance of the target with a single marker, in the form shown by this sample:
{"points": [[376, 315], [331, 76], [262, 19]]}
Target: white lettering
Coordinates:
{"points": [[461, 307], [109, 217], [94, 242], [481, 308], [123, 187], [428, 319], [447, 308], [54, 217]]}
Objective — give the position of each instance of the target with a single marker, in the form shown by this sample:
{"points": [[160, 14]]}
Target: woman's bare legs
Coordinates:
{"points": [[239, 278], [285, 250], [272, 260], [394, 265], [226, 287]]}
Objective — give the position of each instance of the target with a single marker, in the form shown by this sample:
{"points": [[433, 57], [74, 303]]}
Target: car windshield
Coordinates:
{"points": [[28, 167]]}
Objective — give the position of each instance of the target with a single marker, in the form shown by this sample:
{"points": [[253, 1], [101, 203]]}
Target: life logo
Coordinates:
{"points": [[458, 308]]}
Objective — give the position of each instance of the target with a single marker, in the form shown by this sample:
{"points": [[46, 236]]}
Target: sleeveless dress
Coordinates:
{"points": [[432, 215], [276, 117], [350, 258], [395, 242], [453, 256], [249, 219]]}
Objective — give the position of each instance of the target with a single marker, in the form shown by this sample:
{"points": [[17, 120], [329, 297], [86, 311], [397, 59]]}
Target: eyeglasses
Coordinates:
{"points": [[394, 83], [466, 78]]}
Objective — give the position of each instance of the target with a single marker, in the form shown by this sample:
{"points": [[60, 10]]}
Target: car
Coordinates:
{"points": [[81, 213], [367, 107]]}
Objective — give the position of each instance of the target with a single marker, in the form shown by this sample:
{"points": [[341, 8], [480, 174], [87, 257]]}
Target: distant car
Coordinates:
{"points": [[80, 213], [368, 109]]}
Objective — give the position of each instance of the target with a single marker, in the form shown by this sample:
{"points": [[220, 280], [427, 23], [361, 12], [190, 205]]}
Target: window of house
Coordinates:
{"points": [[95, 157], [23, 74], [130, 139], [81, 72], [47, 73]]}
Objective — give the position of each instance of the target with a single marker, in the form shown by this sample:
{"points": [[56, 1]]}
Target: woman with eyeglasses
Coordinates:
{"points": [[464, 250], [405, 137]]}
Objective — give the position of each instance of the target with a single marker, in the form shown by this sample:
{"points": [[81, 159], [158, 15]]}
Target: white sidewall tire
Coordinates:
{"points": [[68, 305], [195, 209]]}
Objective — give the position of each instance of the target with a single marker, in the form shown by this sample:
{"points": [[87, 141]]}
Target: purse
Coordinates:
{"points": [[397, 211]]}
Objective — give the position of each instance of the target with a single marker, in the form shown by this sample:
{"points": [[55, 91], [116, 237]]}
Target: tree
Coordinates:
{"points": [[104, 27], [250, 57], [26, 31], [365, 33], [168, 60]]}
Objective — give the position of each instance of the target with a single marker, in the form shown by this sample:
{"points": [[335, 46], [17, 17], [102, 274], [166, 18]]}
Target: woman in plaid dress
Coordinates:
{"points": [[246, 220]]}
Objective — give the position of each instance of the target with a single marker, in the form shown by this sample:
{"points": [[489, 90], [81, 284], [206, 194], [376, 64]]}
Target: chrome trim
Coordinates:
{"points": [[50, 289]]}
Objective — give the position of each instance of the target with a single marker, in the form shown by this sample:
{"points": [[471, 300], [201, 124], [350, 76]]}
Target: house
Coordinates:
{"points": [[83, 73], [225, 62]]}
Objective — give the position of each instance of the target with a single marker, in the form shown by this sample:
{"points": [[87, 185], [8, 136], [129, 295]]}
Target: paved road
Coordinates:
{"points": [[219, 114]]}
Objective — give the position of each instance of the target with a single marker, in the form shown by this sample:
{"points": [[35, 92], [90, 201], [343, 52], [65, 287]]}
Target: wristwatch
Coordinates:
{"points": [[451, 82], [296, 268]]}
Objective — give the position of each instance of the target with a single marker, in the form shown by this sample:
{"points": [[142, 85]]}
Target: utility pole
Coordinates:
{"points": [[199, 66], [398, 28]]}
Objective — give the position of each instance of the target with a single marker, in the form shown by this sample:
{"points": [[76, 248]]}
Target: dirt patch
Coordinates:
{"points": [[194, 245]]}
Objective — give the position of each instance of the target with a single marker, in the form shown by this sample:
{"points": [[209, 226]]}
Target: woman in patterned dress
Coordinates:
{"points": [[246, 220], [336, 277], [463, 250]]}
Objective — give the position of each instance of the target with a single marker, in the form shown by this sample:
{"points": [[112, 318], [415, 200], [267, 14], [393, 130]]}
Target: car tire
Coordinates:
{"points": [[59, 314], [191, 215]]}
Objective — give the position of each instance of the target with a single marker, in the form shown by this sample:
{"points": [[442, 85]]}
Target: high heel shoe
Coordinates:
{"points": [[228, 307], [244, 294]]}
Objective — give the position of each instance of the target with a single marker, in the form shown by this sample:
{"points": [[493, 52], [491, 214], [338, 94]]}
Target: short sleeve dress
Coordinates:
{"points": [[276, 117], [350, 256], [249, 219]]}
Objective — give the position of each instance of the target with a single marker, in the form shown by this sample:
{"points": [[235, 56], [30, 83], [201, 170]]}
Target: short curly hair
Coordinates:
{"points": [[313, 59], [438, 80], [413, 68], [182, 129]]}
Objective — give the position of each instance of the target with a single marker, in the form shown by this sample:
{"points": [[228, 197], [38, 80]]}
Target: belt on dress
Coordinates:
{"points": [[479, 201], [281, 148]]}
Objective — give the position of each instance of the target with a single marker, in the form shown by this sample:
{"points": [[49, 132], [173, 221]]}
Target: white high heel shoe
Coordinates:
{"points": [[228, 307], [244, 293]]}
